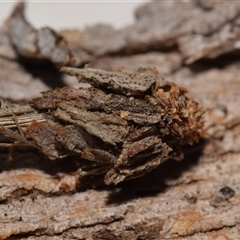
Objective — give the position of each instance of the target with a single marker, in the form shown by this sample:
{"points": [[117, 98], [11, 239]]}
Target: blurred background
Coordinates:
{"points": [[75, 14]]}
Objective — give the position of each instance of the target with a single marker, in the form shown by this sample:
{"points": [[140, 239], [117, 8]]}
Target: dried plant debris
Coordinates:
{"points": [[158, 26], [42, 44], [16, 116], [128, 122], [161, 25], [199, 30], [221, 98]]}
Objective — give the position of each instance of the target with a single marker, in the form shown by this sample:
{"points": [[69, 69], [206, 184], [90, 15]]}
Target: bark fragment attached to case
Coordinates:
{"points": [[129, 121]]}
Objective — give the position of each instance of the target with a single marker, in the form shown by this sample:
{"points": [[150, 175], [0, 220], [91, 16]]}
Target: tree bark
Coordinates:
{"points": [[196, 198]]}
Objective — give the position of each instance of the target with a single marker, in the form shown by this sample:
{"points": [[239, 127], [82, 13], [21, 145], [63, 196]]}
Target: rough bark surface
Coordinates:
{"points": [[197, 198]]}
